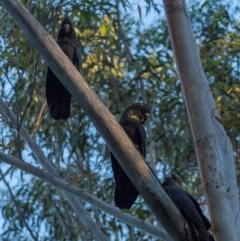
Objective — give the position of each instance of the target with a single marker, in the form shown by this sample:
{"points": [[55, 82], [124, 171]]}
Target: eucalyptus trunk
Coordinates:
{"points": [[214, 150]]}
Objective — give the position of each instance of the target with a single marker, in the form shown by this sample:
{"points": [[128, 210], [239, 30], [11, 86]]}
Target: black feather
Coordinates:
{"points": [[58, 97], [189, 208], [131, 121]]}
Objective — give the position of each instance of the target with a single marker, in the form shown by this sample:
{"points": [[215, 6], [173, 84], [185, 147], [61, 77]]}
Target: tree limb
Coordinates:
{"points": [[85, 196], [198, 98], [82, 214]]}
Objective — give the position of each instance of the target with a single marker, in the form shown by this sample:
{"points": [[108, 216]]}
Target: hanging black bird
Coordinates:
{"points": [[58, 97], [189, 208], [132, 121]]}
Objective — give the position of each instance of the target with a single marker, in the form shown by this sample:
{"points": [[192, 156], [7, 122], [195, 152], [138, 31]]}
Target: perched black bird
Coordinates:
{"points": [[131, 121], [189, 208], [58, 97]]}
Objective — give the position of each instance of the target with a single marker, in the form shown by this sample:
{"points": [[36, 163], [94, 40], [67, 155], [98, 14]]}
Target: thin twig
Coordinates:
{"points": [[31, 95], [6, 173], [20, 214], [39, 118]]}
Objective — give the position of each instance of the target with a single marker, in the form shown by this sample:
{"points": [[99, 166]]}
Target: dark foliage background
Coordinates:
{"points": [[127, 57]]}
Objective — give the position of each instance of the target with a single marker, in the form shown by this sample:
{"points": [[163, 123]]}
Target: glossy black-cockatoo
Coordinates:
{"points": [[189, 208], [58, 97], [132, 121]]}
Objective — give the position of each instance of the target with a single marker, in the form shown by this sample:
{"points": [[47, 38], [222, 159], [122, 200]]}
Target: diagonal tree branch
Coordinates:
{"points": [[85, 196], [200, 105], [119, 143], [82, 214]]}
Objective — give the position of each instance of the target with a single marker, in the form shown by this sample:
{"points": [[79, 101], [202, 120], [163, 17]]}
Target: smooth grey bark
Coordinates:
{"points": [[200, 106], [85, 196], [227, 161], [119, 143]]}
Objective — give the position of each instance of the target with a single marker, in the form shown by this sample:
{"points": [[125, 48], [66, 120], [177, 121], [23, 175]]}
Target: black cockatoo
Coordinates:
{"points": [[189, 208], [132, 121], [58, 97]]}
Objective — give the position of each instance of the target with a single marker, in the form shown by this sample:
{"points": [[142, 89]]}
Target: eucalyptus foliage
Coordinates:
{"points": [[124, 60]]}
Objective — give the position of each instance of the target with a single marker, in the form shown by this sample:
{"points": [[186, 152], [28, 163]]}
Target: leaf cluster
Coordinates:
{"points": [[124, 61]]}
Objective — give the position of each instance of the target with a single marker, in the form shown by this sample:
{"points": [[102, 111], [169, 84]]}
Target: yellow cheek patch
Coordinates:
{"points": [[133, 116]]}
